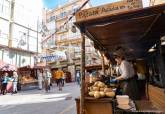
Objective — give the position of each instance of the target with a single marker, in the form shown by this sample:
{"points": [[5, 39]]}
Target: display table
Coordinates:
{"points": [[109, 106], [142, 107], [96, 106]]}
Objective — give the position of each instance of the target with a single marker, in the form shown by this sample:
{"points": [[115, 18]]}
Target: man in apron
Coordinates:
{"points": [[127, 76]]}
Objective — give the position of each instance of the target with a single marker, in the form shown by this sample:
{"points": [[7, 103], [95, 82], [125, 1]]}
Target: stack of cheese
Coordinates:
{"points": [[99, 90]]}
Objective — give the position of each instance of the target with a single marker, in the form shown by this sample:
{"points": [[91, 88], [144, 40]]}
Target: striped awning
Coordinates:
{"points": [[7, 67]]}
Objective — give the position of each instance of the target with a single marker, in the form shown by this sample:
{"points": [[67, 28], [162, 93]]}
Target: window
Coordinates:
{"points": [[74, 8], [52, 18], [63, 14], [74, 35], [63, 37], [3, 35], [4, 8], [23, 39]]}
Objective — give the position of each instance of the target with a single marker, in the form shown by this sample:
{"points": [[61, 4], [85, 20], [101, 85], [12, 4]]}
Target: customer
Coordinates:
{"points": [[47, 79], [0, 84], [40, 79], [15, 82], [58, 75], [78, 77], [4, 83], [63, 79], [9, 87], [127, 75]]}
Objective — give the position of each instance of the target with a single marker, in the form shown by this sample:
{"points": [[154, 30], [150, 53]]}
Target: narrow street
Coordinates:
{"points": [[39, 102]]}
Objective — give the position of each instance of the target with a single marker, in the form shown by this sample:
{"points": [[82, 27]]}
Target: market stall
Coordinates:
{"points": [[6, 67], [125, 24], [28, 76]]}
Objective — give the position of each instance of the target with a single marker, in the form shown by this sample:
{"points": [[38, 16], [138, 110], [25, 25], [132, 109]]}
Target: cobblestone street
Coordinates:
{"points": [[39, 102]]}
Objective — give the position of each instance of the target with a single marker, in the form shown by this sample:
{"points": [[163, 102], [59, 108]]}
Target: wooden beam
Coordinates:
{"points": [[82, 97], [103, 63]]}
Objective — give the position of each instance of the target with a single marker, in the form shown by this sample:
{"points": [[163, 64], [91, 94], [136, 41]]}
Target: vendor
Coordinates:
{"points": [[127, 75]]}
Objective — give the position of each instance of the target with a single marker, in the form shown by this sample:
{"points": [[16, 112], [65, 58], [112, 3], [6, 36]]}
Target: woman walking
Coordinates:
{"points": [[15, 82], [47, 78], [40, 79], [4, 83]]}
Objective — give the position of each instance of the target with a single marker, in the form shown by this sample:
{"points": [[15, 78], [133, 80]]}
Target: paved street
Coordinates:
{"points": [[39, 102]]}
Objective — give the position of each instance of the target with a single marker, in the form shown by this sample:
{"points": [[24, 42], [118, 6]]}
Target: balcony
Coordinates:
{"points": [[62, 16], [61, 30], [69, 41]]}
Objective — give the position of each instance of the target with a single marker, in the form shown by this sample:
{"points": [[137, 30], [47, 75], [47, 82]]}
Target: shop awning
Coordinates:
{"points": [[95, 67], [135, 30], [7, 67]]}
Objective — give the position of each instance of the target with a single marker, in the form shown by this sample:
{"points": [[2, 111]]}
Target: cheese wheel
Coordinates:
{"points": [[97, 94], [110, 94]]}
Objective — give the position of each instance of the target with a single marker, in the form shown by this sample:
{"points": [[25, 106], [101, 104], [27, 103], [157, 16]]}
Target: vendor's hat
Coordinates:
{"points": [[119, 53]]}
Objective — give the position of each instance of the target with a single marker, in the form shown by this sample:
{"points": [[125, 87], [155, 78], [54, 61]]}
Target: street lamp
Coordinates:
{"points": [[73, 29]]}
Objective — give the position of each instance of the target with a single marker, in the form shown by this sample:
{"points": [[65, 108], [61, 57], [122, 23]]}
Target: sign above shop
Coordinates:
{"points": [[107, 10]]}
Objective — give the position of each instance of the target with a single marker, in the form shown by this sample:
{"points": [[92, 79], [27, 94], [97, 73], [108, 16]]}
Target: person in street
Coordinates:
{"points": [[63, 79], [1, 84], [15, 82], [78, 77], [59, 75], [47, 79], [9, 87], [40, 79], [127, 75], [5, 79]]}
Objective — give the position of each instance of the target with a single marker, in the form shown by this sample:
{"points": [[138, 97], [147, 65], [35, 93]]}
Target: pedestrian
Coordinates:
{"points": [[1, 84], [47, 79], [15, 82], [4, 83], [78, 77], [63, 79], [40, 79], [9, 87], [58, 75]]}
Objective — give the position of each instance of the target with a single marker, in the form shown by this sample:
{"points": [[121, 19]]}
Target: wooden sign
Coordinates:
{"points": [[107, 10]]}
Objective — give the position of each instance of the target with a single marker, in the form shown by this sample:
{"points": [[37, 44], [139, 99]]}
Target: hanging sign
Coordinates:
{"points": [[107, 10]]}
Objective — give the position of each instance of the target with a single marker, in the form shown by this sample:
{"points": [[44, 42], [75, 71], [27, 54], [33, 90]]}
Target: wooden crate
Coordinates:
{"points": [[157, 97], [96, 106]]}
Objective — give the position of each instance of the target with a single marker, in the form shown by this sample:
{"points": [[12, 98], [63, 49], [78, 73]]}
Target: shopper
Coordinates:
{"points": [[4, 83], [47, 79], [63, 79], [15, 82], [1, 84], [78, 77], [58, 75], [40, 79]]}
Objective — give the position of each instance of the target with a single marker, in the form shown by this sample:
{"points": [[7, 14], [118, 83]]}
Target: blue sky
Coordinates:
{"points": [[54, 3]]}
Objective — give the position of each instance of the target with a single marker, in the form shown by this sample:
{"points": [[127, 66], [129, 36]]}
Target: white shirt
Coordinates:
{"points": [[126, 70], [78, 75], [40, 77]]}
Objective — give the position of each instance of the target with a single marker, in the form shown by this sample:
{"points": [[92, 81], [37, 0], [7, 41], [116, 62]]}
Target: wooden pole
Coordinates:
{"points": [[103, 63], [82, 97]]}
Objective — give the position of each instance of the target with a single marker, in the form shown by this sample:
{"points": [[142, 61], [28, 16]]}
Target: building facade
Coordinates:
{"points": [[60, 37], [19, 31]]}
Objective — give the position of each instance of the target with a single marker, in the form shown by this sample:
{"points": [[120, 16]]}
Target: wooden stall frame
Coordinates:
{"points": [[82, 98], [84, 22]]}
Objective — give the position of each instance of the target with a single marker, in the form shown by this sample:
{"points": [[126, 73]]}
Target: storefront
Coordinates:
{"points": [[5, 67], [122, 24], [28, 77]]}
